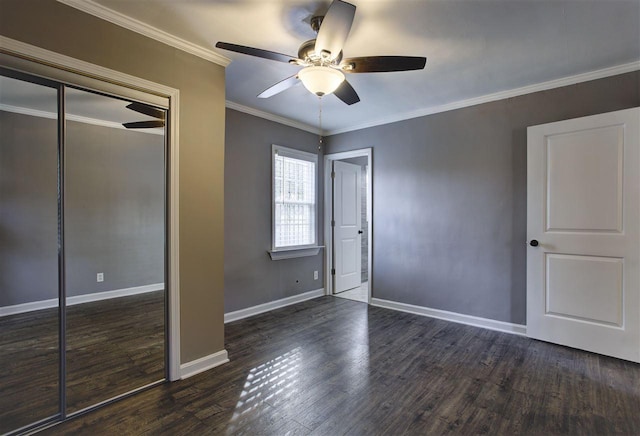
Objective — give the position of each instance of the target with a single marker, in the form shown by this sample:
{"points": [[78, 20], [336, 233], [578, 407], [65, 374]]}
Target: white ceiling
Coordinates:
{"points": [[473, 47]]}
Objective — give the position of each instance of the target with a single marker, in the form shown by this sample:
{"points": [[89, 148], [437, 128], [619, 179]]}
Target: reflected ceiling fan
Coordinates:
{"points": [[146, 110], [324, 66]]}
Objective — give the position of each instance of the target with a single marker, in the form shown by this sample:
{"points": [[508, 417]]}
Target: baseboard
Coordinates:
{"points": [[491, 324], [79, 299], [205, 363], [266, 307]]}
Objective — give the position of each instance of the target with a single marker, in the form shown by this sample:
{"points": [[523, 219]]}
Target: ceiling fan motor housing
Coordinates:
{"points": [[307, 53], [316, 22]]}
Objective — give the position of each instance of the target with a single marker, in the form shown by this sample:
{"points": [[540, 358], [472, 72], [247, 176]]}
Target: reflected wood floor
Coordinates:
{"points": [[113, 346], [331, 366]]}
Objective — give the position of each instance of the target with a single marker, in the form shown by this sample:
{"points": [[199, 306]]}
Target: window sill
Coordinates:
{"points": [[290, 253]]}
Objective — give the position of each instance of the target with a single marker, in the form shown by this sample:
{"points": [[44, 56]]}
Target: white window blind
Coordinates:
{"points": [[294, 198]]}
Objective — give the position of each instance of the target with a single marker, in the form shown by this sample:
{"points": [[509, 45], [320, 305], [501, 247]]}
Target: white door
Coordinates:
{"points": [[347, 232], [583, 209]]}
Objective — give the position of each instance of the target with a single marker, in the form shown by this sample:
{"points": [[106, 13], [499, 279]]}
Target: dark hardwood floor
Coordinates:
{"points": [[29, 369], [331, 366], [113, 346]]}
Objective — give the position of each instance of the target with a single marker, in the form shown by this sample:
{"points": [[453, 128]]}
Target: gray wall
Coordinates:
{"points": [[28, 209], [114, 214], [114, 209], [449, 197], [250, 276]]}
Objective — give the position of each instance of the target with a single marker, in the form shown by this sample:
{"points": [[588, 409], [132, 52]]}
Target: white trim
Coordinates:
{"points": [[328, 239], [202, 364], [280, 150], [107, 75], [88, 298], [28, 111], [79, 299], [551, 84], [272, 305], [271, 117], [292, 253], [77, 118], [490, 324], [174, 237], [97, 10]]}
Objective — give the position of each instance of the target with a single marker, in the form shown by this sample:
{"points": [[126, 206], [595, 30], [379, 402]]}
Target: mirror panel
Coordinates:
{"points": [[29, 304], [114, 248]]}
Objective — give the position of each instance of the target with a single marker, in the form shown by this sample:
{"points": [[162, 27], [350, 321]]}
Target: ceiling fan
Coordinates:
{"points": [[324, 66], [146, 110]]}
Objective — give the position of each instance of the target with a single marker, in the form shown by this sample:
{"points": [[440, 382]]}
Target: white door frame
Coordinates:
{"points": [[328, 209], [80, 70]]}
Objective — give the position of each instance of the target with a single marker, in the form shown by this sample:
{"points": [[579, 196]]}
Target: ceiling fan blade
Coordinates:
{"points": [[257, 52], [144, 124], [279, 87], [334, 29], [146, 110], [382, 64], [346, 93]]}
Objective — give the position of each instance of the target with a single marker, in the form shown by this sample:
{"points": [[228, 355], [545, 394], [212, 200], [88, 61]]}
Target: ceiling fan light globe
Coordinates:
{"points": [[321, 80]]}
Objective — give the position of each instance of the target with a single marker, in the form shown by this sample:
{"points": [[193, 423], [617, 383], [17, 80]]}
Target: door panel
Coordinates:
{"points": [[583, 279], [114, 250], [349, 248], [584, 170], [585, 287], [29, 291], [347, 214]]}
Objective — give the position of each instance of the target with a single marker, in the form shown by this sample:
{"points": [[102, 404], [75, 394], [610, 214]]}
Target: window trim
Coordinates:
{"points": [[293, 250]]}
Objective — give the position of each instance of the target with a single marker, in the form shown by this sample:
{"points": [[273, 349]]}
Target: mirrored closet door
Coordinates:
{"points": [[82, 249], [114, 248], [29, 304]]}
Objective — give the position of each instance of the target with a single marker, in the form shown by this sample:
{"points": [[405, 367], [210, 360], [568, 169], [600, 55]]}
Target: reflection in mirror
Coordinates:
{"points": [[114, 249], [29, 326]]}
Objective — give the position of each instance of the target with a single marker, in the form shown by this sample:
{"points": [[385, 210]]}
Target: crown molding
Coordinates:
{"points": [[119, 19], [28, 111], [271, 117], [543, 86]]}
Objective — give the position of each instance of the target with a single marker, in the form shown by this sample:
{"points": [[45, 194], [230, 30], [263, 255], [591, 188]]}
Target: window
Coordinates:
{"points": [[294, 198]]}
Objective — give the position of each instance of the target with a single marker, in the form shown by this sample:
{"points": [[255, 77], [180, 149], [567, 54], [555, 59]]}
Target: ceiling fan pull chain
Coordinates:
{"points": [[320, 123]]}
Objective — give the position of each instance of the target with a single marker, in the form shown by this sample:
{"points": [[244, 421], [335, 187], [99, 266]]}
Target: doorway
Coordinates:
{"points": [[83, 257], [348, 224]]}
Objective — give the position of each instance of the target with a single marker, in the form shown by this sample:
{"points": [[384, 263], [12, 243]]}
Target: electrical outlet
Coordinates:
{"points": [[315, 275], [100, 277]]}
